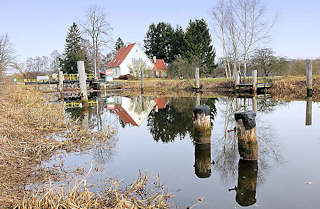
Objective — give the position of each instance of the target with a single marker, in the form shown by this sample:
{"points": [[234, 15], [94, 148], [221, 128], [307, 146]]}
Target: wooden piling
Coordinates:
{"points": [[309, 111], [254, 103], [198, 99], [254, 80], [60, 85], [247, 182], [202, 139], [197, 77], [142, 75], [236, 77], [247, 137], [202, 162], [309, 77], [83, 84]]}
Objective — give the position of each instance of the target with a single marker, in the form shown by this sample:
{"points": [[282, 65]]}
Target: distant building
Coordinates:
{"points": [[160, 68], [127, 55]]}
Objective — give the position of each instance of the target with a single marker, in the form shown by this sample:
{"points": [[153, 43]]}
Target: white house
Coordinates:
{"points": [[124, 59]]}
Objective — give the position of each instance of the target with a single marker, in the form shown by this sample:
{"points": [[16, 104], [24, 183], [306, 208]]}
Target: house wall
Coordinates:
{"points": [[135, 53]]}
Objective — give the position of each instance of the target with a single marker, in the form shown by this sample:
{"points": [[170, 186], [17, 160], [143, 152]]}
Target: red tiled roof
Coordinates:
{"points": [[125, 117], [159, 65], [161, 103], [120, 56]]}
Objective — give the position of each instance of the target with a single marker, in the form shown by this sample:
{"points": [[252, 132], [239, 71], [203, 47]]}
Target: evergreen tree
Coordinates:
{"points": [[163, 41], [74, 52], [119, 44], [198, 45]]}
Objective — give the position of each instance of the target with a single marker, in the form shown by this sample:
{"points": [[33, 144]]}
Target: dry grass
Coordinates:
{"points": [[26, 123], [163, 86], [80, 196], [290, 88]]}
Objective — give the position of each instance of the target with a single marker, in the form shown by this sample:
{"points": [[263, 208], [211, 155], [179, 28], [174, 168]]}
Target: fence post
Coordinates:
{"points": [[309, 77], [309, 111], [60, 85], [254, 80], [83, 83], [197, 77]]}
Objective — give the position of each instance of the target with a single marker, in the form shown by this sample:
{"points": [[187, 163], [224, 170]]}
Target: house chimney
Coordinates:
{"points": [[154, 59]]}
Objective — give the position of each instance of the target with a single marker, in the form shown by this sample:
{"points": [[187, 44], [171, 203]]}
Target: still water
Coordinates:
{"points": [[157, 135]]}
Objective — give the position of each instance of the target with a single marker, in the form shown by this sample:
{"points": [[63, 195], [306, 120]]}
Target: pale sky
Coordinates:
{"points": [[37, 27]]}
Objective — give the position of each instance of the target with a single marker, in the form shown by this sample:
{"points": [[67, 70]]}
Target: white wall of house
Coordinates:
{"points": [[135, 53]]}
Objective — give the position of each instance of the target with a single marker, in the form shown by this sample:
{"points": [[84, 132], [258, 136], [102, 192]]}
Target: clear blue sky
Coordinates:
{"points": [[37, 27]]}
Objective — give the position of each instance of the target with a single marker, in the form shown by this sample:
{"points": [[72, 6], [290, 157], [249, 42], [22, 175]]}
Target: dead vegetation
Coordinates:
{"points": [[137, 195], [291, 88], [27, 121]]}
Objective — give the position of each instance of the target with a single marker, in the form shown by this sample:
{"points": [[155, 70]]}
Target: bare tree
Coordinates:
{"points": [[241, 27], [98, 30], [6, 54], [219, 14], [252, 25]]}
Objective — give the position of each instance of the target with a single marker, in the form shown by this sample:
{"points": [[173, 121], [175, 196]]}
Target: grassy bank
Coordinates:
{"points": [[286, 88], [27, 128]]}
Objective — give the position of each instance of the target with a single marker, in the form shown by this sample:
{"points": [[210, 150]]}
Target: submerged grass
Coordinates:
{"points": [[26, 122]]}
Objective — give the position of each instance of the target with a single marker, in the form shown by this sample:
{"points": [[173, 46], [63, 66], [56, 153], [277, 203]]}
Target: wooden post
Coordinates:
{"points": [[83, 84], [202, 160], [198, 99], [254, 80], [197, 77], [202, 140], [142, 81], [60, 85], [236, 77], [309, 112], [247, 137], [309, 77], [247, 182], [254, 103]]}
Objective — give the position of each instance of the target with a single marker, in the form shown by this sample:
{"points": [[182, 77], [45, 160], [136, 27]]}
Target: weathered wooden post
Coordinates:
{"points": [[309, 77], [309, 112], [247, 182], [236, 77], [60, 79], [202, 139], [247, 137], [254, 81], [197, 77], [83, 84], [254, 103], [142, 81], [198, 99]]}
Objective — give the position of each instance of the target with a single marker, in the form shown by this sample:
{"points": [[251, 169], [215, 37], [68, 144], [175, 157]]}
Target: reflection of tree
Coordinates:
{"points": [[225, 148], [176, 119]]}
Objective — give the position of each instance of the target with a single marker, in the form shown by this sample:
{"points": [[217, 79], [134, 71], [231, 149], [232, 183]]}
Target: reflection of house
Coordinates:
{"points": [[134, 110], [161, 103], [126, 56]]}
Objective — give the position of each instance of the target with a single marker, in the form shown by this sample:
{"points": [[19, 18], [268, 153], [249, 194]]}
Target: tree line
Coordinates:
{"points": [[182, 49]]}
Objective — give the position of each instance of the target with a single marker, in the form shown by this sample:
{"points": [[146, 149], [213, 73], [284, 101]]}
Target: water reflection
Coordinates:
{"points": [[132, 111], [247, 182], [309, 111], [175, 120]]}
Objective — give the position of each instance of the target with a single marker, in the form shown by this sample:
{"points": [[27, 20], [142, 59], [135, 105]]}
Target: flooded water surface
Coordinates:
{"points": [[159, 136]]}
